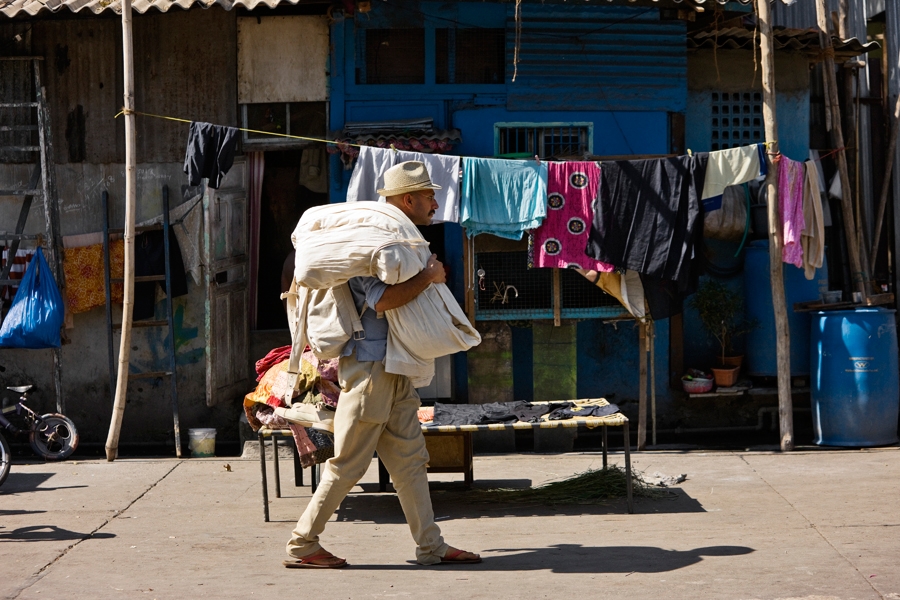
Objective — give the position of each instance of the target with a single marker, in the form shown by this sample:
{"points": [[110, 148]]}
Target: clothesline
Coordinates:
{"points": [[285, 135]]}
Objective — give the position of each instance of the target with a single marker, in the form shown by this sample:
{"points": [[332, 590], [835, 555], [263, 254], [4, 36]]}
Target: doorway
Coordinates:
{"points": [[286, 194]]}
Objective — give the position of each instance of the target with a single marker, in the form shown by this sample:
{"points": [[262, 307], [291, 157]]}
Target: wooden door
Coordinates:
{"points": [[227, 260]]}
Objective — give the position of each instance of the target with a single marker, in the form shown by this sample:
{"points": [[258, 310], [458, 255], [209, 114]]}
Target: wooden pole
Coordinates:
{"points": [[776, 270], [859, 276], [886, 184], [652, 329], [642, 388], [115, 426]]}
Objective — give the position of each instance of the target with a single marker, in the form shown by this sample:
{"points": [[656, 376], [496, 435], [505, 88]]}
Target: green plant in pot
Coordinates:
{"points": [[721, 312]]}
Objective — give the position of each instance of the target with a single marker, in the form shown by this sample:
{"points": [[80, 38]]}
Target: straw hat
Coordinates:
{"points": [[406, 177]]}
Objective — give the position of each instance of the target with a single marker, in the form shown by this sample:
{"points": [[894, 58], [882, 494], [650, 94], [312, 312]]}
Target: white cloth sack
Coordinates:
{"points": [[368, 177], [431, 326], [337, 242]]}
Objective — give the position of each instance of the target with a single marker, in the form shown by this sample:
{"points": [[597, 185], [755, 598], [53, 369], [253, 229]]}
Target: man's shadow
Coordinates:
{"points": [[575, 558]]}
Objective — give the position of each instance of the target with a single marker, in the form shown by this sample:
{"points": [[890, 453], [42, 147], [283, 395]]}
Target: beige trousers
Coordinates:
{"points": [[376, 412]]}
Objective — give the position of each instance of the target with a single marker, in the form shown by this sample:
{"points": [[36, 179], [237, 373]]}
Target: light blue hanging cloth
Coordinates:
{"points": [[503, 197]]}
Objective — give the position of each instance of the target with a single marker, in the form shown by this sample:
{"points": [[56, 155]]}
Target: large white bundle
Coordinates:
{"points": [[337, 242], [431, 326]]}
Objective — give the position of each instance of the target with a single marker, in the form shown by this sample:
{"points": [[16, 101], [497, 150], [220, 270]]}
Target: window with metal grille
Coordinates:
{"points": [[390, 56], [736, 119], [470, 56], [512, 291], [547, 140], [306, 119]]}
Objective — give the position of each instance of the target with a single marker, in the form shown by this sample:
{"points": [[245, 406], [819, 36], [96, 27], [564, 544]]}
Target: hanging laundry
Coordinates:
{"points": [[368, 177], [85, 279], [503, 197], [733, 166], [625, 287], [647, 217], [813, 236], [186, 220], [210, 153], [664, 297], [791, 181], [150, 259], [826, 209], [313, 174], [572, 189]]}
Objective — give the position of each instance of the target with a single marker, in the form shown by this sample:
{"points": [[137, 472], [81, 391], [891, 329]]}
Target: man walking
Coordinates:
{"points": [[377, 410]]}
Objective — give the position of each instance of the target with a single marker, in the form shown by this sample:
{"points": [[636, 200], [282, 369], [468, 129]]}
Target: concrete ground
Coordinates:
{"points": [[812, 524]]}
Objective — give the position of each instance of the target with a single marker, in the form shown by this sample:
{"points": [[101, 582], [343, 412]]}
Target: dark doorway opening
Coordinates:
{"points": [[283, 202]]}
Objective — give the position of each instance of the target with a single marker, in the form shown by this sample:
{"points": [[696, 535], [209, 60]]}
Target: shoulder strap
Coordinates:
{"points": [[347, 308]]}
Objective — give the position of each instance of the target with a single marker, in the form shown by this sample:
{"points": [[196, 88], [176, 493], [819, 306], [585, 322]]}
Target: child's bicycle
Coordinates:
{"points": [[52, 436]]}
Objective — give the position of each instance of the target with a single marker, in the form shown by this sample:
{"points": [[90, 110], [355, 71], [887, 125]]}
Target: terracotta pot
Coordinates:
{"points": [[726, 376], [733, 361]]}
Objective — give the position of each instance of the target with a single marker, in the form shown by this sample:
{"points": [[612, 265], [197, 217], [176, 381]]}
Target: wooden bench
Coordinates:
{"points": [[266, 432], [462, 451]]}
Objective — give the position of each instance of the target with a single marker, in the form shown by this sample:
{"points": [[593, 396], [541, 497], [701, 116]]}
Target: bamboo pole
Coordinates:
{"points": [[886, 184], [859, 276], [776, 270], [115, 426], [652, 329], [642, 388]]}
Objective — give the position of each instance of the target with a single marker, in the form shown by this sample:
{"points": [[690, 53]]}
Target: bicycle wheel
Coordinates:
{"points": [[55, 438], [5, 458]]}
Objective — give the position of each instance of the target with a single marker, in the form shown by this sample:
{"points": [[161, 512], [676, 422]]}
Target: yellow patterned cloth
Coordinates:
{"points": [[84, 275]]}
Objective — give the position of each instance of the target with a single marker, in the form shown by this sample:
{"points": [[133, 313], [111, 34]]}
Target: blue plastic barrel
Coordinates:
{"points": [[855, 390], [760, 357]]}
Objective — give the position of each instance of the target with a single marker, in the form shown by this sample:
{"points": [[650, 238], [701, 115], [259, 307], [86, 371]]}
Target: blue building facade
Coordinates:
{"points": [[619, 73]]}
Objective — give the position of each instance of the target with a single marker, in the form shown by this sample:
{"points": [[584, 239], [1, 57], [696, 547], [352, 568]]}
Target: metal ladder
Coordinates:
{"points": [[22, 131], [169, 321]]}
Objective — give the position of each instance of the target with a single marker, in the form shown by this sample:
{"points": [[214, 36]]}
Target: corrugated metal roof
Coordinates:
{"points": [[11, 8], [801, 40], [589, 57]]}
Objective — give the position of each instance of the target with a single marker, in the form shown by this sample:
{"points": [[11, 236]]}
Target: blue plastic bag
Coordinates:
{"points": [[37, 311]]}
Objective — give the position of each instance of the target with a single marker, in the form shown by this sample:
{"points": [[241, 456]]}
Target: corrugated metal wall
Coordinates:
{"points": [[185, 66], [621, 58], [892, 35]]}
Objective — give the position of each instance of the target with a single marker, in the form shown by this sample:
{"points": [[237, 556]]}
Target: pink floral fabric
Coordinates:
{"points": [[791, 175], [560, 241]]}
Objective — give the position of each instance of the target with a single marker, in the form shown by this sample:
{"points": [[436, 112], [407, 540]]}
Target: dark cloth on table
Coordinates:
{"points": [[492, 412], [648, 214], [150, 259], [210, 153], [570, 412]]}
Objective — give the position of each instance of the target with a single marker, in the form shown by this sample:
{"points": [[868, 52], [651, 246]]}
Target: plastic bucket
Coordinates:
{"points": [[202, 442]]}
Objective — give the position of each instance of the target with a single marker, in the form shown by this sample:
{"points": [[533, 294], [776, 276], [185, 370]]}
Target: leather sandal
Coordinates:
{"points": [[453, 557], [320, 560]]}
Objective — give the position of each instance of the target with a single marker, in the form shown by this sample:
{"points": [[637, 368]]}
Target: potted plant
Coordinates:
{"points": [[721, 312]]}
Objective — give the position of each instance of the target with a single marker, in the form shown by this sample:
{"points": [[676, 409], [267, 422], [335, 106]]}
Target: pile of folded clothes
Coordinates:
{"points": [[317, 392]]}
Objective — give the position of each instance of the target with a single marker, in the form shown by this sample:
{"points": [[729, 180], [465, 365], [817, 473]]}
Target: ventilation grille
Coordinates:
{"points": [[736, 119]]}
